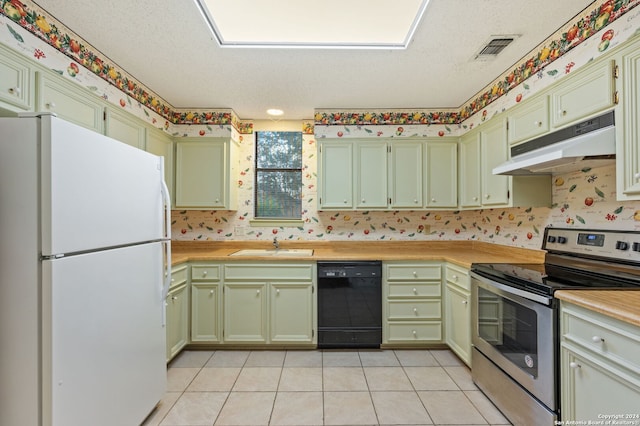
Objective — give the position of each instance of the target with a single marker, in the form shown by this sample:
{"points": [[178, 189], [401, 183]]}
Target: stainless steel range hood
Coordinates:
{"points": [[590, 143]]}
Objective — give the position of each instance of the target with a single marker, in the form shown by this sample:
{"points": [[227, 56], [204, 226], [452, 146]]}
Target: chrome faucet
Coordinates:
{"points": [[276, 244]]}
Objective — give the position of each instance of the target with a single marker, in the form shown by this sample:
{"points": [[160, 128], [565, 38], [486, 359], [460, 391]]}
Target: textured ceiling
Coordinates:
{"points": [[167, 46]]}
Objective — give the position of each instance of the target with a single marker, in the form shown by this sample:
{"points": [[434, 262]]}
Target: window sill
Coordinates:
{"points": [[284, 223]]}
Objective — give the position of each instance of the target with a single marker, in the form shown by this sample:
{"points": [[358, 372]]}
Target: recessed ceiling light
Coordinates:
{"points": [[275, 111], [338, 24]]}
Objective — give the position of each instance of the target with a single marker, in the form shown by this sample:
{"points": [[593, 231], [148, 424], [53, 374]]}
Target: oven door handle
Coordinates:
{"points": [[512, 290]]}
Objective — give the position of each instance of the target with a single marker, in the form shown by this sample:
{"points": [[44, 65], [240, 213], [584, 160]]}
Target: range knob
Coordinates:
{"points": [[562, 240], [551, 239], [622, 245], [635, 246]]}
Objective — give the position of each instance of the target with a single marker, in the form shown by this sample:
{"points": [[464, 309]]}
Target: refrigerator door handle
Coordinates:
{"points": [[167, 278], [167, 243]]}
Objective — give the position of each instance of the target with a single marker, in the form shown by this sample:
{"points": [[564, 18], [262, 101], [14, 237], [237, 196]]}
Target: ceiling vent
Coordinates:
{"points": [[492, 48]]}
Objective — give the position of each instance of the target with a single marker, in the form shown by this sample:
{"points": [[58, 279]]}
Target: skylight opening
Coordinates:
{"points": [[355, 24]]}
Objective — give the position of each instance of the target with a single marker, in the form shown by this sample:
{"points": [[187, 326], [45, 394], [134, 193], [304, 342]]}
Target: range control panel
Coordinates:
{"points": [[618, 245]]}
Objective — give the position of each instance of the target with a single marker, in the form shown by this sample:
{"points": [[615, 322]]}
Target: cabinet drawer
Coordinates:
{"points": [[413, 272], [178, 275], [458, 276], [268, 272], [205, 272], [605, 336], [423, 289], [415, 331], [414, 309]]}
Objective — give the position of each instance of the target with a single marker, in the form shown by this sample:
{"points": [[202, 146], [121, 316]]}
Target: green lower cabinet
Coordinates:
{"points": [[245, 312], [206, 304], [177, 311], [457, 319], [599, 367], [291, 312]]}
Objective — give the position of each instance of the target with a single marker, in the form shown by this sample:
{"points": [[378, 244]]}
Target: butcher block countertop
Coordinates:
{"points": [[462, 253], [620, 304]]}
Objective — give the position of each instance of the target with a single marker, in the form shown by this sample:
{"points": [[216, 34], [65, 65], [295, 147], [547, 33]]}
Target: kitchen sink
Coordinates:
{"points": [[274, 252]]}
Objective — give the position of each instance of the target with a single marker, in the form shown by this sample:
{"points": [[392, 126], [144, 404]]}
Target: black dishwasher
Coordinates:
{"points": [[349, 304]]}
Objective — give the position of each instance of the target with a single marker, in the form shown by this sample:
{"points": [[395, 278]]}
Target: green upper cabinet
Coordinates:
{"points": [[529, 119], [371, 175], [493, 152], [627, 124], [441, 165], [205, 169], [159, 143], [583, 94], [16, 82], [69, 101], [405, 177], [124, 127], [469, 170], [336, 175]]}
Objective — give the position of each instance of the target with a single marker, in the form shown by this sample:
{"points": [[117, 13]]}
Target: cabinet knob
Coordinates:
{"points": [[173, 280], [475, 198], [415, 333], [15, 91], [344, 201], [637, 176], [217, 200], [277, 291], [573, 364], [363, 200], [597, 339], [415, 274], [204, 273], [563, 112], [415, 311], [537, 123], [415, 201], [433, 200], [415, 290], [487, 196], [210, 291], [50, 105], [464, 302], [455, 277], [257, 291], [174, 297]]}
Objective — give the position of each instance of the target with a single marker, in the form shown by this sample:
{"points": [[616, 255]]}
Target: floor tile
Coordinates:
{"points": [[195, 408], [349, 408], [446, 358], [247, 408], [387, 379], [303, 359], [301, 379], [162, 409], [179, 378], [228, 359], [379, 359], [404, 408], [298, 408], [258, 379], [214, 379], [489, 411], [430, 378], [450, 408], [341, 359], [265, 359], [462, 377], [416, 358], [343, 379], [191, 359]]}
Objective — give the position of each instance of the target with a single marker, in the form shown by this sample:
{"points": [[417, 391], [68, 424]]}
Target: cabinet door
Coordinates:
{"points": [[591, 388], [336, 175], [371, 175], [69, 101], [159, 143], [16, 79], [205, 312], [245, 312], [441, 175], [583, 94], [201, 174], [177, 321], [405, 177], [469, 170], [125, 128], [458, 322], [493, 152], [628, 126], [528, 120], [291, 312]]}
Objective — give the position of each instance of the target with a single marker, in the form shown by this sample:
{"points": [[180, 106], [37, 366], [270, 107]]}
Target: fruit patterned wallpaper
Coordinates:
{"points": [[584, 198]]}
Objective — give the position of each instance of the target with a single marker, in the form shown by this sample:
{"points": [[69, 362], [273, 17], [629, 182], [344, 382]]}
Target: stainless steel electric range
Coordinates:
{"points": [[515, 315]]}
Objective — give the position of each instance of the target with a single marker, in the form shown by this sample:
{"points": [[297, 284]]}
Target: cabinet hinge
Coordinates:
{"points": [[616, 71], [389, 200], [104, 115], [508, 194], [616, 98], [313, 334], [507, 124]]}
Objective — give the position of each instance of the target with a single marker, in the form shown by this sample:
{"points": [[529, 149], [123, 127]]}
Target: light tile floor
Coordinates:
{"points": [[367, 387]]}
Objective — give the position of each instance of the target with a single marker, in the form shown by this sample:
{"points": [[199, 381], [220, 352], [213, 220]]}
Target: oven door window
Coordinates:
{"points": [[510, 328]]}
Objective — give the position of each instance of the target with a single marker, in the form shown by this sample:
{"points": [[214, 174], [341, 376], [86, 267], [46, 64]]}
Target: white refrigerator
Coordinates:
{"points": [[84, 270]]}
